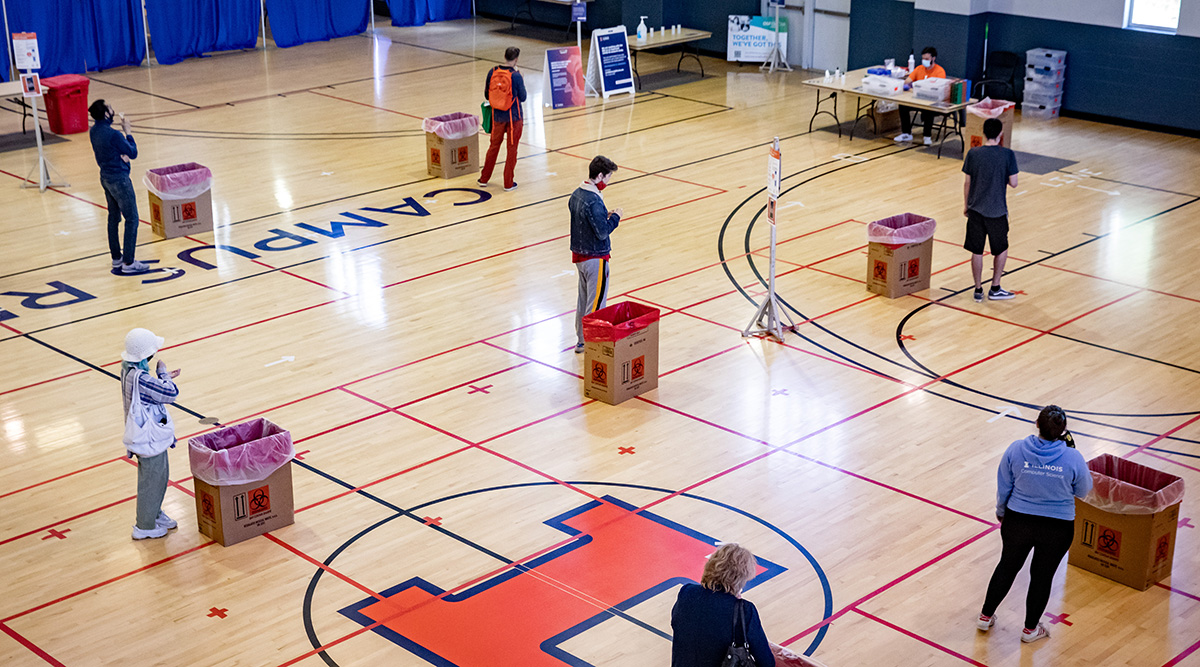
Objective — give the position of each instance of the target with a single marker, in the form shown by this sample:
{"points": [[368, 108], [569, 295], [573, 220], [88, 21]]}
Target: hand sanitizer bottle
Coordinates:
{"points": [[912, 63], [641, 31]]}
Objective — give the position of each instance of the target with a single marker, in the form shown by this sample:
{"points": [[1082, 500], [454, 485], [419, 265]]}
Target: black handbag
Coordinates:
{"points": [[738, 656]]}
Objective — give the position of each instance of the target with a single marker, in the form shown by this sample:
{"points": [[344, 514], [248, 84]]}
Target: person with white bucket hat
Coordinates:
{"points": [[149, 431]]}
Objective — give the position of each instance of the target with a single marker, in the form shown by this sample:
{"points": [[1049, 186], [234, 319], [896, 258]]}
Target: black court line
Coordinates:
{"points": [[1132, 185], [142, 92]]}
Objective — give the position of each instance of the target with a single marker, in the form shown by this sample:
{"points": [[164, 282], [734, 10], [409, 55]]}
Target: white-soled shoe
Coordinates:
{"points": [[985, 623], [903, 137], [164, 521], [1030, 636], [152, 534]]}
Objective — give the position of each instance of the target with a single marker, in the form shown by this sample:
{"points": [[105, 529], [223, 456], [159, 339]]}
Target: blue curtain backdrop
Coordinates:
{"points": [[419, 12], [183, 29], [76, 36], [298, 21]]}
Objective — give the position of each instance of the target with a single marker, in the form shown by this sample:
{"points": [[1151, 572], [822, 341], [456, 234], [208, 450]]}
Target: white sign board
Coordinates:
{"points": [[25, 50], [750, 38], [610, 69], [774, 177]]}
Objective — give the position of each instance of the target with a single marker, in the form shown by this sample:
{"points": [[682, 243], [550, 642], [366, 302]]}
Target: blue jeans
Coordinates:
{"points": [[121, 201]]}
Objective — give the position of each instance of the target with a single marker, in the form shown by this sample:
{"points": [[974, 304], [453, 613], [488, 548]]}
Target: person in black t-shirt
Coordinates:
{"points": [[989, 169]]}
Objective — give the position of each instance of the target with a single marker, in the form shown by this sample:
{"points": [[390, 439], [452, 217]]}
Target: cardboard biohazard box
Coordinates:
{"points": [[243, 480], [978, 113], [232, 514], [1125, 528], [899, 254], [452, 144], [180, 199], [170, 217], [620, 356]]}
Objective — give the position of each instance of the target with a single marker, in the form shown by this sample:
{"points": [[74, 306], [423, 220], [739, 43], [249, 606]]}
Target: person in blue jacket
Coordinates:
{"points": [[1037, 484], [114, 149], [702, 620], [591, 225]]}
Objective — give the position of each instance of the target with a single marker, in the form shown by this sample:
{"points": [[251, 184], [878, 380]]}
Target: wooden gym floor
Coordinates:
{"points": [[446, 454]]}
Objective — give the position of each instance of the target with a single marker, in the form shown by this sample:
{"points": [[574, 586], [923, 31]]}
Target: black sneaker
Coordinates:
{"points": [[514, 187], [998, 293], [979, 295], [482, 184]]}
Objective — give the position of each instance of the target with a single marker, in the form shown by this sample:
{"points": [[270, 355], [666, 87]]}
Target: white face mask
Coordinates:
{"points": [[926, 62]]}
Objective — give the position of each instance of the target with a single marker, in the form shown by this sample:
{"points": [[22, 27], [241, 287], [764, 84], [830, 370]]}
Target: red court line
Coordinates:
{"points": [[107, 581], [920, 638], [529, 359], [364, 104], [70, 518], [1118, 282], [1176, 590], [464, 384], [385, 478], [296, 275], [67, 194], [30, 645], [1142, 448], [323, 566], [704, 359], [11, 329], [888, 586], [55, 479], [1179, 658], [1156, 455], [889, 487], [638, 171], [28, 386]]}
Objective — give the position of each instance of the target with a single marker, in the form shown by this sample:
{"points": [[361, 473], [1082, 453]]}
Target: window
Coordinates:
{"points": [[1154, 15]]}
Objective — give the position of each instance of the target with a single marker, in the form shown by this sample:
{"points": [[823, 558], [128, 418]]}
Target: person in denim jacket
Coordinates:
{"points": [[591, 225]]}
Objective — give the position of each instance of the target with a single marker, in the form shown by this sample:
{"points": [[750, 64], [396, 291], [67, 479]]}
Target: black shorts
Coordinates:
{"points": [[980, 228]]}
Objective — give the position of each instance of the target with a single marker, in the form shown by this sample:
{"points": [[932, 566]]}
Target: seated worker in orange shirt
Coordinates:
{"points": [[928, 69]]}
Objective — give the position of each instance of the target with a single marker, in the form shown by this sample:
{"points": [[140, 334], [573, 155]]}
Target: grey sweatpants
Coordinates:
{"points": [[153, 474], [593, 291]]}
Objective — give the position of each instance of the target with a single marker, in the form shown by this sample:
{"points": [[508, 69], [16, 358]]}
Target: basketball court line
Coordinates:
{"points": [[20, 639], [1179, 658], [919, 638]]}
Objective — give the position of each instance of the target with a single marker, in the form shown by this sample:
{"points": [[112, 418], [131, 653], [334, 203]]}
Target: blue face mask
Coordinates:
{"points": [[926, 62]]}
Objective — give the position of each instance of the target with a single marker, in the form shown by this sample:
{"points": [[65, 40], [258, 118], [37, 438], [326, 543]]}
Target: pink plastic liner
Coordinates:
{"points": [[181, 181], [617, 321], [989, 108], [901, 229], [239, 454], [452, 126], [1121, 486]]}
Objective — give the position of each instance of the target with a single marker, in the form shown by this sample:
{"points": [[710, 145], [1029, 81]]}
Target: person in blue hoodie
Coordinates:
{"points": [[1037, 484], [591, 225], [114, 149]]}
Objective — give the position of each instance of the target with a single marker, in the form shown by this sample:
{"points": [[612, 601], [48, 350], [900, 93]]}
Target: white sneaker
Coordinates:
{"points": [[164, 521], [1030, 636], [985, 623], [135, 268], [117, 263], [928, 141], [903, 137], [152, 534]]}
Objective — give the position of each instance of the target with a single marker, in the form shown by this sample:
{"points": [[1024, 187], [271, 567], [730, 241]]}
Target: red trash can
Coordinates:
{"points": [[66, 103]]}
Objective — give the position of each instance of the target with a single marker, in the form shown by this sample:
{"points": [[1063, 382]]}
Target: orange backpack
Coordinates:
{"points": [[500, 89]]}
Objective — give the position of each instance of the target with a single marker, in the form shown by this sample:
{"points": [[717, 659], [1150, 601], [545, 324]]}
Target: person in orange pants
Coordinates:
{"points": [[504, 90]]}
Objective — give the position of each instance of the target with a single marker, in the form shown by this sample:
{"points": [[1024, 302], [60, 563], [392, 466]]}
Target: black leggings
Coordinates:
{"points": [[1050, 539]]}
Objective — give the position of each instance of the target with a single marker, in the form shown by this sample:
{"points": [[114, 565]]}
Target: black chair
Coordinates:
{"points": [[1002, 73]]}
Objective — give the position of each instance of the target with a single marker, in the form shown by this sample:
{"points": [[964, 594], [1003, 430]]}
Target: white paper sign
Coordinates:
{"points": [[25, 50], [774, 178]]}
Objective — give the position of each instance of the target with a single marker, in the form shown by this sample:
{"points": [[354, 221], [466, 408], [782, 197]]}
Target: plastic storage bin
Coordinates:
{"points": [[882, 85], [66, 103], [1046, 58], [936, 90], [1043, 99], [1040, 87], [1045, 74], [1038, 112]]}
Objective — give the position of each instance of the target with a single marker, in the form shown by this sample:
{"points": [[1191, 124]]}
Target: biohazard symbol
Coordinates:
{"points": [[156, 213], [914, 268], [976, 141], [880, 271], [435, 156], [639, 367], [464, 154], [260, 500], [1163, 549], [206, 505], [189, 211], [600, 373], [1109, 542]]}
